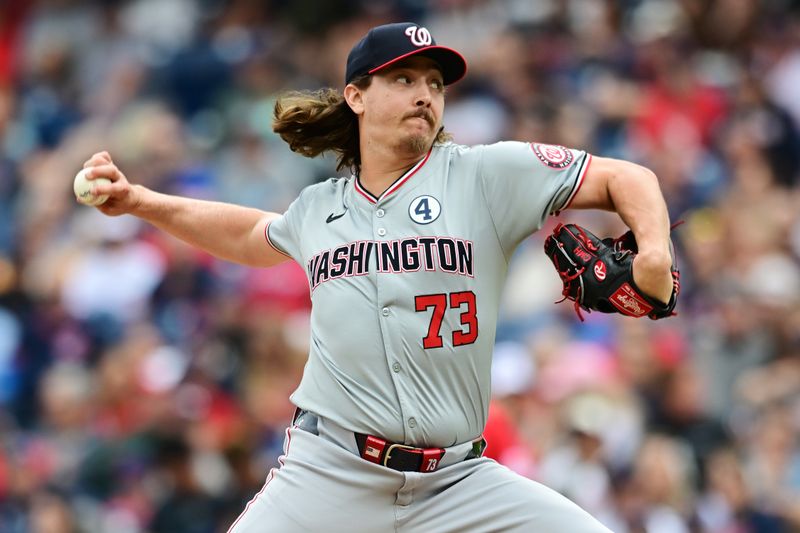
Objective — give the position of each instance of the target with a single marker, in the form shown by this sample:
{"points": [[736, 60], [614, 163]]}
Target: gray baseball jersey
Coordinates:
{"points": [[406, 287]]}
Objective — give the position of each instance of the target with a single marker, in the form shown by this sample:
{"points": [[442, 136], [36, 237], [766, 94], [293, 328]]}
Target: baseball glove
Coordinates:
{"points": [[598, 274]]}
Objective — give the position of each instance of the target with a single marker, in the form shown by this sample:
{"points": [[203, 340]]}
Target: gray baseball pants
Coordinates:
{"points": [[324, 485]]}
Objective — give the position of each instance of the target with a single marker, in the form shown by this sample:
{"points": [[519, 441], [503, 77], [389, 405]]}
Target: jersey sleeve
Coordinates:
{"points": [[524, 183], [283, 233]]}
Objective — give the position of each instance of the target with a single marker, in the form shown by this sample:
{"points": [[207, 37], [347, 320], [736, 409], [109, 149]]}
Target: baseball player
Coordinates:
{"points": [[405, 262]]}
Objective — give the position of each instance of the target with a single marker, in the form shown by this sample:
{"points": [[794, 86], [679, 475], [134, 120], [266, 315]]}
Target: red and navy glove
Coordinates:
{"points": [[598, 273]]}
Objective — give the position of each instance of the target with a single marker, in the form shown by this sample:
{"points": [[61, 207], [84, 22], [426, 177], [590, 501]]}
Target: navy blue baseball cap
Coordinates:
{"points": [[384, 45]]}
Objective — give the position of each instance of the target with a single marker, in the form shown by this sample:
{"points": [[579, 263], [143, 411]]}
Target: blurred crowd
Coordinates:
{"points": [[144, 385]]}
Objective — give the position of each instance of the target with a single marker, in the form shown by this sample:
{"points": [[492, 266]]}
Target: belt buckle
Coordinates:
{"points": [[392, 447]]}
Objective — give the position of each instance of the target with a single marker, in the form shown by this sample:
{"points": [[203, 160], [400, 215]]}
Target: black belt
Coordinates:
{"points": [[392, 455]]}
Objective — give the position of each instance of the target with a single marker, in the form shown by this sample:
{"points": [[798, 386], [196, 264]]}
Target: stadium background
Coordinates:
{"points": [[144, 385]]}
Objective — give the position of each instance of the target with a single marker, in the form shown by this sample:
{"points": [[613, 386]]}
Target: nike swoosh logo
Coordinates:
{"points": [[333, 217]]}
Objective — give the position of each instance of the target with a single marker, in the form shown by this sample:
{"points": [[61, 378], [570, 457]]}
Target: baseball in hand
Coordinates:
{"points": [[83, 189]]}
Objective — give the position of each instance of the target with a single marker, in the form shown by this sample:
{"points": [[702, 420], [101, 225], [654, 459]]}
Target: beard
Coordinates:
{"points": [[417, 144]]}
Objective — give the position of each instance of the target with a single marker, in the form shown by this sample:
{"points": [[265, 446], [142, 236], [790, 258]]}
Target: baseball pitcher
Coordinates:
{"points": [[405, 259]]}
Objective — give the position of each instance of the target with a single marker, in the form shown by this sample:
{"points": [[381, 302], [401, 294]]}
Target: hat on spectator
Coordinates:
{"points": [[384, 45]]}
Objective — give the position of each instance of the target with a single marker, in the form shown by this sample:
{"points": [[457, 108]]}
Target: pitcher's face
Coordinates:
{"points": [[403, 106]]}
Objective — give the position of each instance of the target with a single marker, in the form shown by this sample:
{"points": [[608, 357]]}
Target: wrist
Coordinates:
{"points": [[654, 261], [652, 273], [139, 201]]}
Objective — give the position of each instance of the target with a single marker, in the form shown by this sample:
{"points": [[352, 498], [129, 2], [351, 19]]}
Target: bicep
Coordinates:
{"points": [[264, 252], [594, 191]]}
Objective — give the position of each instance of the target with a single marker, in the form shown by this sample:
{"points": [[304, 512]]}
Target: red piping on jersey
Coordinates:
{"points": [[396, 185], [580, 182], [270, 477], [364, 193], [266, 236]]}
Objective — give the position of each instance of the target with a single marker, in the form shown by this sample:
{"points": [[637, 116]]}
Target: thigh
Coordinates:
{"points": [[481, 495], [321, 487]]}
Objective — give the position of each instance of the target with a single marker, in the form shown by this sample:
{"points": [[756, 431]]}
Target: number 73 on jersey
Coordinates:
{"points": [[452, 302]]}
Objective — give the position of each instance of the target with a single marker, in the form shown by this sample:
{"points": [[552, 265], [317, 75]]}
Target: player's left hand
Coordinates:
{"points": [[610, 275]]}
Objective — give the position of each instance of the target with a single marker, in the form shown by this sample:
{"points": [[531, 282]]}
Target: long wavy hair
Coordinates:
{"points": [[313, 122]]}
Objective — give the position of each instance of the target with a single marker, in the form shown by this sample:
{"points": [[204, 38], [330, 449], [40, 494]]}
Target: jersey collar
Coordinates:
{"points": [[394, 186]]}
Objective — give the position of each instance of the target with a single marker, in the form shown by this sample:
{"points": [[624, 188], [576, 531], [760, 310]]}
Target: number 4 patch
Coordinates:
{"points": [[424, 209]]}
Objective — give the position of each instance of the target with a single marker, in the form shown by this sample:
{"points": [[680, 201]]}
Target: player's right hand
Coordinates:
{"points": [[122, 196]]}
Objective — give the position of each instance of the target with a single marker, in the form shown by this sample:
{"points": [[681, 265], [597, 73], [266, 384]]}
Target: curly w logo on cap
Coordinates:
{"points": [[419, 36]]}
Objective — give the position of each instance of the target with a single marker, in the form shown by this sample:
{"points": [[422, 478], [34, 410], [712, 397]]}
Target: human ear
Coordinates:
{"points": [[354, 98]]}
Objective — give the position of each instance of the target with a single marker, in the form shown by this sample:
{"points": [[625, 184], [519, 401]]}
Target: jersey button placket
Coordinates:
{"points": [[380, 213], [385, 283]]}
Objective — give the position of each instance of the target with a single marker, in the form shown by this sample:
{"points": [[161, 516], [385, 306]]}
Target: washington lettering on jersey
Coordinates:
{"points": [[412, 254]]}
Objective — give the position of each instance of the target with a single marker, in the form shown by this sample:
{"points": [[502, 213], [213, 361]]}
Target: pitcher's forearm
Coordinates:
{"points": [[227, 231], [638, 200]]}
